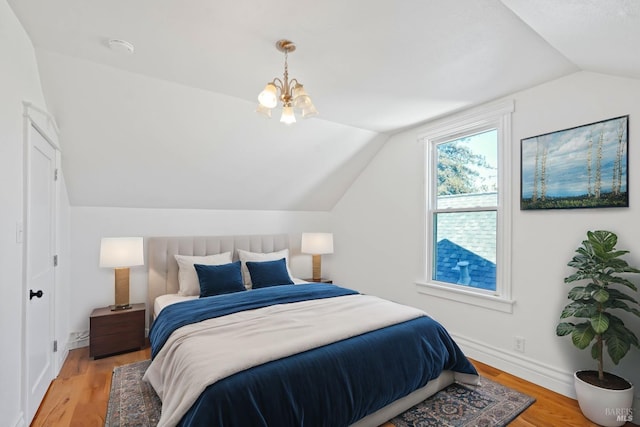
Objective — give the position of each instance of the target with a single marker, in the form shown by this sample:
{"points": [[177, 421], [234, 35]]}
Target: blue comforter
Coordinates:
{"points": [[334, 385]]}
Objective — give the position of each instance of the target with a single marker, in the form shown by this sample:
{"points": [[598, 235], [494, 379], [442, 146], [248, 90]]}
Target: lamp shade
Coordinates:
{"points": [[266, 112], [121, 252], [317, 243], [269, 96], [309, 111], [288, 116], [298, 90]]}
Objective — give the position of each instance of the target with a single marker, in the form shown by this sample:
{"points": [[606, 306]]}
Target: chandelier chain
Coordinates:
{"points": [[286, 90], [286, 66]]}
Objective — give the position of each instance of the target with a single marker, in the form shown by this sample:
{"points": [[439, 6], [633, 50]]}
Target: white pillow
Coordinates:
{"points": [[188, 278], [259, 256]]}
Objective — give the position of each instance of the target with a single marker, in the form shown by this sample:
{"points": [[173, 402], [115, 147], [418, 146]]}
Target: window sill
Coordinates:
{"points": [[464, 296]]}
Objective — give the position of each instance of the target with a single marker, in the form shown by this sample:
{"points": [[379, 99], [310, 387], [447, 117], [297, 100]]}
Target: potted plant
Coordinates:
{"points": [[603, 397]]}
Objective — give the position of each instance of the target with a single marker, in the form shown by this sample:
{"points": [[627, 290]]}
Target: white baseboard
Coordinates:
{"points": [[79, 343], [61, 357], [78, 340], [19, 421], [531, 370]]}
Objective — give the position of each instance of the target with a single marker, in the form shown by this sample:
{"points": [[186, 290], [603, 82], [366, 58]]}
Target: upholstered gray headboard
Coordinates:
{"points": [[163, 268]]}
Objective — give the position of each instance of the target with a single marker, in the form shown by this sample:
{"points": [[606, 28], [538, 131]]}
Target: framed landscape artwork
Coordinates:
{"points": [[581, 167]]}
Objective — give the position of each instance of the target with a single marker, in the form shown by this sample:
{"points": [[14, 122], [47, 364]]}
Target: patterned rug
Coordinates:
{"points": [[462, 405], [133, 402]]}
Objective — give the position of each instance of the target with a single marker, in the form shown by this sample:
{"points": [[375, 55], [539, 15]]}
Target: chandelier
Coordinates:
{"points": [[290, 92]]}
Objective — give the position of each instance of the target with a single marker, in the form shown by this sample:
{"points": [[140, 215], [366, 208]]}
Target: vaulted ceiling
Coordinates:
{"points": [[173, 125]]}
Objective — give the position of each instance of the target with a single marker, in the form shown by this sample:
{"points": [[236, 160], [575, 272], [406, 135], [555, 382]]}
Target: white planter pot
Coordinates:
{"points": [[609, 408]]}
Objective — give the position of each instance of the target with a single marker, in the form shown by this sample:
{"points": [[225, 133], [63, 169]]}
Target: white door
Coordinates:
{"points": [[40, 275]]}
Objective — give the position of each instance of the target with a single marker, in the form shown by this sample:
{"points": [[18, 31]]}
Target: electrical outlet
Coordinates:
{"points": [[518, 344]]}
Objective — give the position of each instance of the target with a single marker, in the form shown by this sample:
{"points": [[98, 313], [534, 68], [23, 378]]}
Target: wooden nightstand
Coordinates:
{"points": [[321, 280], [113, 332]]}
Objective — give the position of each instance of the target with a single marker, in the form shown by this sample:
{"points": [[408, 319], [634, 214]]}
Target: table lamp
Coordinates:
{"points": [[121, 253], [317, 244]]}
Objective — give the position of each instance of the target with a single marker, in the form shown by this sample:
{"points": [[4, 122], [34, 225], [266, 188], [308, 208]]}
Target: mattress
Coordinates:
{"points": [[164, 300]]}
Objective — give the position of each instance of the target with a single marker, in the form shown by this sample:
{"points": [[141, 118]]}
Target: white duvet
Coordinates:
{"points": [[200, 354]]}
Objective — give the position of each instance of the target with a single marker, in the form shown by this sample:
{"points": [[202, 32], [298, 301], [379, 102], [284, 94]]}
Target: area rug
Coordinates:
{"points": [[462, 405], [133, 402]]}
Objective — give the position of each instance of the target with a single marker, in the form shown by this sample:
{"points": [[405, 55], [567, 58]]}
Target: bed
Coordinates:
{"points": [[294, 354]]}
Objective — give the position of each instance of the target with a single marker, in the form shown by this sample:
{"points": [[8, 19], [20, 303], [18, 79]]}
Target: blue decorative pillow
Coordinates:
{"points": [[269, 273], [219, 279]]}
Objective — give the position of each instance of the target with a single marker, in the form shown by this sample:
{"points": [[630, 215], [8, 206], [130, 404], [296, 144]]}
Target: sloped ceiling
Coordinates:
{"points": [[173, 125]]}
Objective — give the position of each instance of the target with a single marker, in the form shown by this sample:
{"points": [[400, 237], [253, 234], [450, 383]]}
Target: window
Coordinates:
{"points": [[467, 208]]}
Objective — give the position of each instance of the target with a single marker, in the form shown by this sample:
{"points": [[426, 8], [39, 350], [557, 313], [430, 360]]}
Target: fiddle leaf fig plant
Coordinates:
{"points": [[599, 265]]}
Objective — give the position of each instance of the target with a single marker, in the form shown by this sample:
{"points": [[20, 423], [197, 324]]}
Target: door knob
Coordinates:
{"points": [[34, 294]]}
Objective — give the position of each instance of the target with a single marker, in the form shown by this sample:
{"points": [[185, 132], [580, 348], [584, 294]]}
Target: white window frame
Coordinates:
{"points": [[495, 116]]}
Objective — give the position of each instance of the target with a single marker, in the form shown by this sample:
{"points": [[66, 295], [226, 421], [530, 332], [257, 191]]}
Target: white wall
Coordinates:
{"points": [[93, 286], [19, 82], [378, 227]]}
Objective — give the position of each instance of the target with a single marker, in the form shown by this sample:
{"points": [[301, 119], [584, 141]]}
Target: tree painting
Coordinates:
{"points": [[581, 167]]}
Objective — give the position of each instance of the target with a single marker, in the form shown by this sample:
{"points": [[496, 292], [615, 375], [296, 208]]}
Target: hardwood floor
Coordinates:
{"points": [[79, 396]]}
